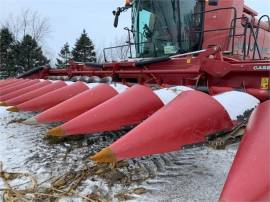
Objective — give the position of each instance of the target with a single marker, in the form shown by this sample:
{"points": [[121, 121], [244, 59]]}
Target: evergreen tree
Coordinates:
{"points": [[64, 57], [84, 50], [27, 54], [6, 42]]}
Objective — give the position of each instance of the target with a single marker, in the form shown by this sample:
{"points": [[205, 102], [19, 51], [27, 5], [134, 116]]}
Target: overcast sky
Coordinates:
{"points": [[69, 17]]}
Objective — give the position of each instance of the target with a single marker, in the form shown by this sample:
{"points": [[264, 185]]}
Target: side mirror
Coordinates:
{"points": [[116, 18], [117, 13], [213, 2]]}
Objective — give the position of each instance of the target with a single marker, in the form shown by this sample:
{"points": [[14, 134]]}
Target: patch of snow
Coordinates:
{"points": [[189, 175], [237, 103], [92, 85], [53, 81], [166, 95], [69, 82], [196, 174], [120, 88]]}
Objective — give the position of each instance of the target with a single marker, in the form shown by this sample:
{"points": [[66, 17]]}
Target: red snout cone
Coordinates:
{"points": [[128, 108], [11, 88], [35, 93], [75, 106], [53, 98], [7, 82], [186, 120], [249, 177], [22, 91]]}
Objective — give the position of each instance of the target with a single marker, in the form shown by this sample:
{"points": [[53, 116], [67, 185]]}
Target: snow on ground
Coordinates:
{"points": [[196, 174]]}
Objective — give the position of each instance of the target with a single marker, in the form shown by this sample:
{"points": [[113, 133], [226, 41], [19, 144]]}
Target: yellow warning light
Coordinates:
{"points": [[189, 61], [264, 83]]}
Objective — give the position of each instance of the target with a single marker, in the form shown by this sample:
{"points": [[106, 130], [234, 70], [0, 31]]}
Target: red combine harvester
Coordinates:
{"points": [[200, 68]]}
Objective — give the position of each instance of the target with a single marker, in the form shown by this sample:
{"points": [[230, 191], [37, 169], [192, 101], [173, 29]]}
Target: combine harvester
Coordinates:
{"points": [[200, 68]]}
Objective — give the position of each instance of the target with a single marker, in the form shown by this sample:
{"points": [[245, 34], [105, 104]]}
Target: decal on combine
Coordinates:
{"points": [[264, 83], [188, 61], [262, 68]]}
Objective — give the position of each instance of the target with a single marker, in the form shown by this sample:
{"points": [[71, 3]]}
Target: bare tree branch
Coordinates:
{"points": [[29, 22]]}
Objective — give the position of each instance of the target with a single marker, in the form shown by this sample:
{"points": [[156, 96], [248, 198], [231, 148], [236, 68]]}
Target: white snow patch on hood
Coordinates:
{"points": [[237, 103], [69, 82], [52, 81], [92, 85], [166, 95], [120, 88]]}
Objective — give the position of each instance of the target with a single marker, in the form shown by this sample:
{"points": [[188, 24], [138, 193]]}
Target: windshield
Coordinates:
{"points": [[166, 27]]}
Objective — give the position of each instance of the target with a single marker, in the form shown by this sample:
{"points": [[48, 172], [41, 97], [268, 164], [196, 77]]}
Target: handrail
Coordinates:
{"points": [[231, 28], [257, 31]]}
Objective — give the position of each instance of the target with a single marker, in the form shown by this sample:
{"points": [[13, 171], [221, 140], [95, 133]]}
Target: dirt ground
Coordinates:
{"points": [[196, 174]]}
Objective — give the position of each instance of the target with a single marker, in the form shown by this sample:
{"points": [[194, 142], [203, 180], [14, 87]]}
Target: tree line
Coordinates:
{"points": [[22, 40], [83, 51], [17, 56]]}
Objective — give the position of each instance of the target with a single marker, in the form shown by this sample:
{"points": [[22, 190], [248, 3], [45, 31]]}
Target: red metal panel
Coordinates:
{"points": [[209, 68], [262, 95], [249, 177], [221, 19]]}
